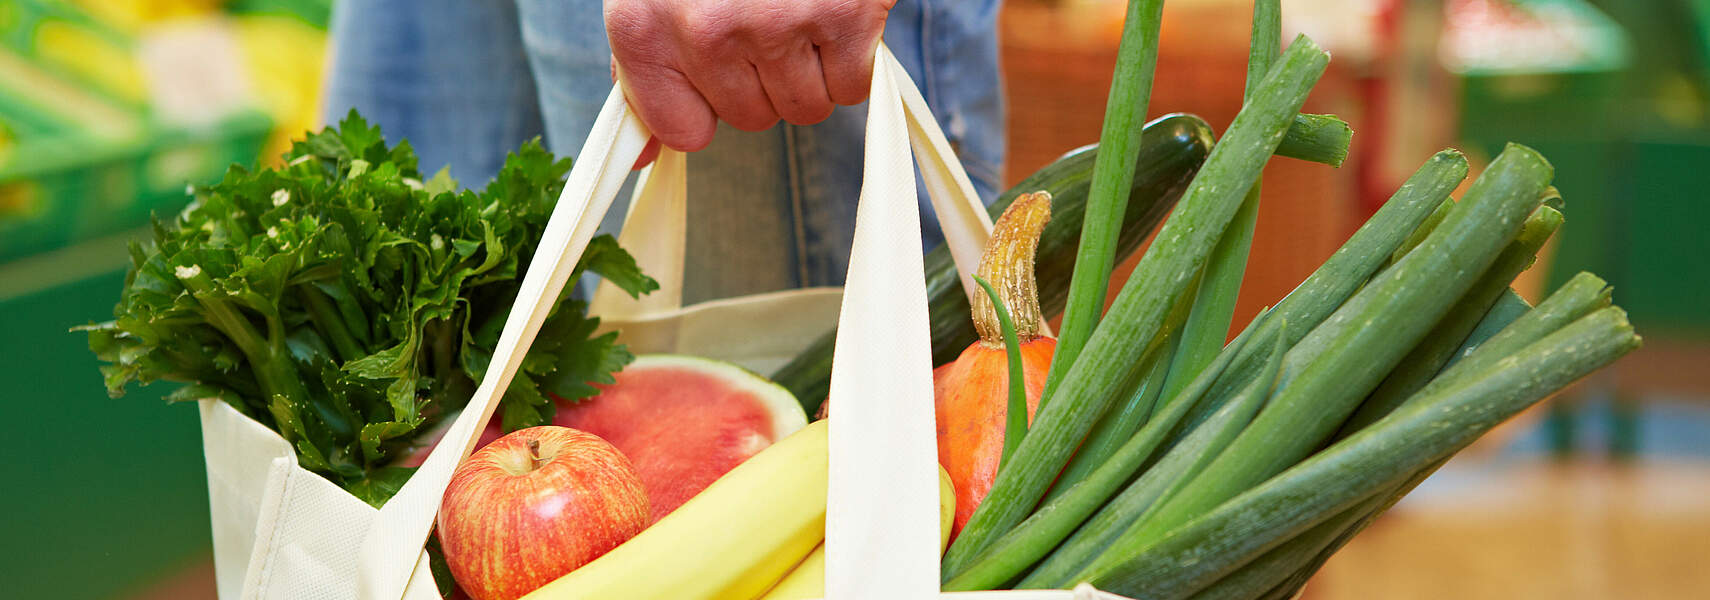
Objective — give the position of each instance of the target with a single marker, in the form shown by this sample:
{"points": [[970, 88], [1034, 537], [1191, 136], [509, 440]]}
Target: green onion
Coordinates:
{"points": [[1036, 536], [1423, 431], [1330, 370], [1317, 138], [1509, 308], [1163, 479], [1424, 229], [1582, 294], [1214, 306], [1429, 357], [1280, 564], [1138, 313], [1120, 422], [1113, 170], [1362, 255], [1015, 419]]}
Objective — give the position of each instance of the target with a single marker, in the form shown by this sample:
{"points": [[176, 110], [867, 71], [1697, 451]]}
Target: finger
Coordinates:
{"points": [[733, 90], [795, 85], [846, 48], [648, 154], [668, 103]]}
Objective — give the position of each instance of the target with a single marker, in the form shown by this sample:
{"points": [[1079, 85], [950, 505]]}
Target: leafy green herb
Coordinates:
{"points": [[346, 302]]}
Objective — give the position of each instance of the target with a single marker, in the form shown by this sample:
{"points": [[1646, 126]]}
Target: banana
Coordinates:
{"points": [[807, 580], [733, 540]]}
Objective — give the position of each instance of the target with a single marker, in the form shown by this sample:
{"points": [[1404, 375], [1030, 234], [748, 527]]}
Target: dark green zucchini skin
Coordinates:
{"points": [[1171, 151]]}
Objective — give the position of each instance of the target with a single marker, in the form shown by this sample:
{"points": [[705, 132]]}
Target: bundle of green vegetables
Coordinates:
{"points": [[348, 303], [1165, 464]]}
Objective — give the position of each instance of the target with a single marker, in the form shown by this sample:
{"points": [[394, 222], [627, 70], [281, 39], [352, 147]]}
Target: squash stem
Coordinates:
{"points": [[1007, 264], [1015, 419]]}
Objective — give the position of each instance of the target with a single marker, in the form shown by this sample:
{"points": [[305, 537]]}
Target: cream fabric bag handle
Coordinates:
{"points": [[399, 530], [883, 515], [760, 332], [655, 232]]}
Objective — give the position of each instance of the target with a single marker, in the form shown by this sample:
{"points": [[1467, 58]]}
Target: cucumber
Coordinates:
{"points": [[1172, 149]]}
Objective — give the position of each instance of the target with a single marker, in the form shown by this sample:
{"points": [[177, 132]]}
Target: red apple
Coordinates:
{"points": [[534, 505]]}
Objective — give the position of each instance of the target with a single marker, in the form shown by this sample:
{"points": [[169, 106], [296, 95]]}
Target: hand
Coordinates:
{"points": [[685, 64]]}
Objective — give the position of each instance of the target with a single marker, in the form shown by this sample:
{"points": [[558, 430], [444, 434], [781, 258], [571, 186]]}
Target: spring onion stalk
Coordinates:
{"points": [[1183, 460], [1317, 138], [1282, 563], [1120, 422], [1330, 370], [1509, 308], [1427, 359], [1035, 537], [1113, 171], [1138, 313], [1220, 285], [1363, 254], [1510, 326], [1422, 432], [1552, 198], [1424, 229], [1015, 419], [1580, 296]]}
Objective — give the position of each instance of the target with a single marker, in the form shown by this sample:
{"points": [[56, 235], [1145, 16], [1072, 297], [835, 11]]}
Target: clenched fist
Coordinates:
{"points": [[685, 64]]}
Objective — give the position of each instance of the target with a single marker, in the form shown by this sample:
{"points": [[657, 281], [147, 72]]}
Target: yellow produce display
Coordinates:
{"points": [[734, 540]]}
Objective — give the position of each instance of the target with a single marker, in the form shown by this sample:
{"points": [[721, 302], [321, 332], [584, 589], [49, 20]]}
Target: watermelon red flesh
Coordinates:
{"points": [[682, 421], [681, 428]]}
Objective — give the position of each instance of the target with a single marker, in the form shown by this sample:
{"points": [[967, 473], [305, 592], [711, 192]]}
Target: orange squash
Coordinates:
{"points": [[972, 393]]}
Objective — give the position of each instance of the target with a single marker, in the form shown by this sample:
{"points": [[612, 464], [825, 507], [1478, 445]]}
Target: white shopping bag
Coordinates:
{"points": [[760, 332], [283, 532]]}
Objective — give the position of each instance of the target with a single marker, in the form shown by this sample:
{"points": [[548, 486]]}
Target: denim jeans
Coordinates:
{"points": [[467, 81]]}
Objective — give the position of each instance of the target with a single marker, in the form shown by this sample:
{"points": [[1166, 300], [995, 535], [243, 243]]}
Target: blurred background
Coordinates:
{"points": [[109, 107]]}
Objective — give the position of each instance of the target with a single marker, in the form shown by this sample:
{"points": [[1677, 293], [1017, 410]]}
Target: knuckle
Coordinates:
{"points": [[706, 28]]}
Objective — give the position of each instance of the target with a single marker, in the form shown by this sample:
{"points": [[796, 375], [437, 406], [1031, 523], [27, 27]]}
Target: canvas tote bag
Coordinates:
{"points": [[283, 532], [760, 332]]}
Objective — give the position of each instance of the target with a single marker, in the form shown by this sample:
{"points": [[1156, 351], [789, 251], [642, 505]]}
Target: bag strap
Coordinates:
{"points": [[654, 232], [883, 516], [961, 215], [400, 529], [882, 507], [654, 229]]}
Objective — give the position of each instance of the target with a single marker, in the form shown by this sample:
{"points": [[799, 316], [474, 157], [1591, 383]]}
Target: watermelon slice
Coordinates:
{"points": [[684, 421]]}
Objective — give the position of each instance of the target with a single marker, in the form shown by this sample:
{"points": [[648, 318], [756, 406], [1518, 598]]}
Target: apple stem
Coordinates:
{"points": [[534, 454]]}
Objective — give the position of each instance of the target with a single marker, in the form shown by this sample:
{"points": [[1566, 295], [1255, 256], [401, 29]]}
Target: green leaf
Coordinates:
{"points": [[605, 258], [379, 485], [583, 360], [347, 303]]}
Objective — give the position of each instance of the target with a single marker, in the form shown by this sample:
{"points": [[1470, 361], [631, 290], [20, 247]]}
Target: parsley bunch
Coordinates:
{"points": [[346, 302]]}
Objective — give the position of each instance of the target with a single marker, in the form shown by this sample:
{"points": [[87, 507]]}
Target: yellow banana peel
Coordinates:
{"points": [[807, 580], [733, 540]]}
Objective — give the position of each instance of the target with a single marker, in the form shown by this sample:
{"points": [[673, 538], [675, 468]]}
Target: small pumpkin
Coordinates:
{"points": [[972, 392]]}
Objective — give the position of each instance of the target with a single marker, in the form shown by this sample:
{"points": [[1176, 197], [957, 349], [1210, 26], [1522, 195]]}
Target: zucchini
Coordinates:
{"points": [[1171, 151]]}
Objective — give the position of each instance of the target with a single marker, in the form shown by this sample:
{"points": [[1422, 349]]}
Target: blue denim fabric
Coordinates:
{"points": [[768, 210], [449, 75]]}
